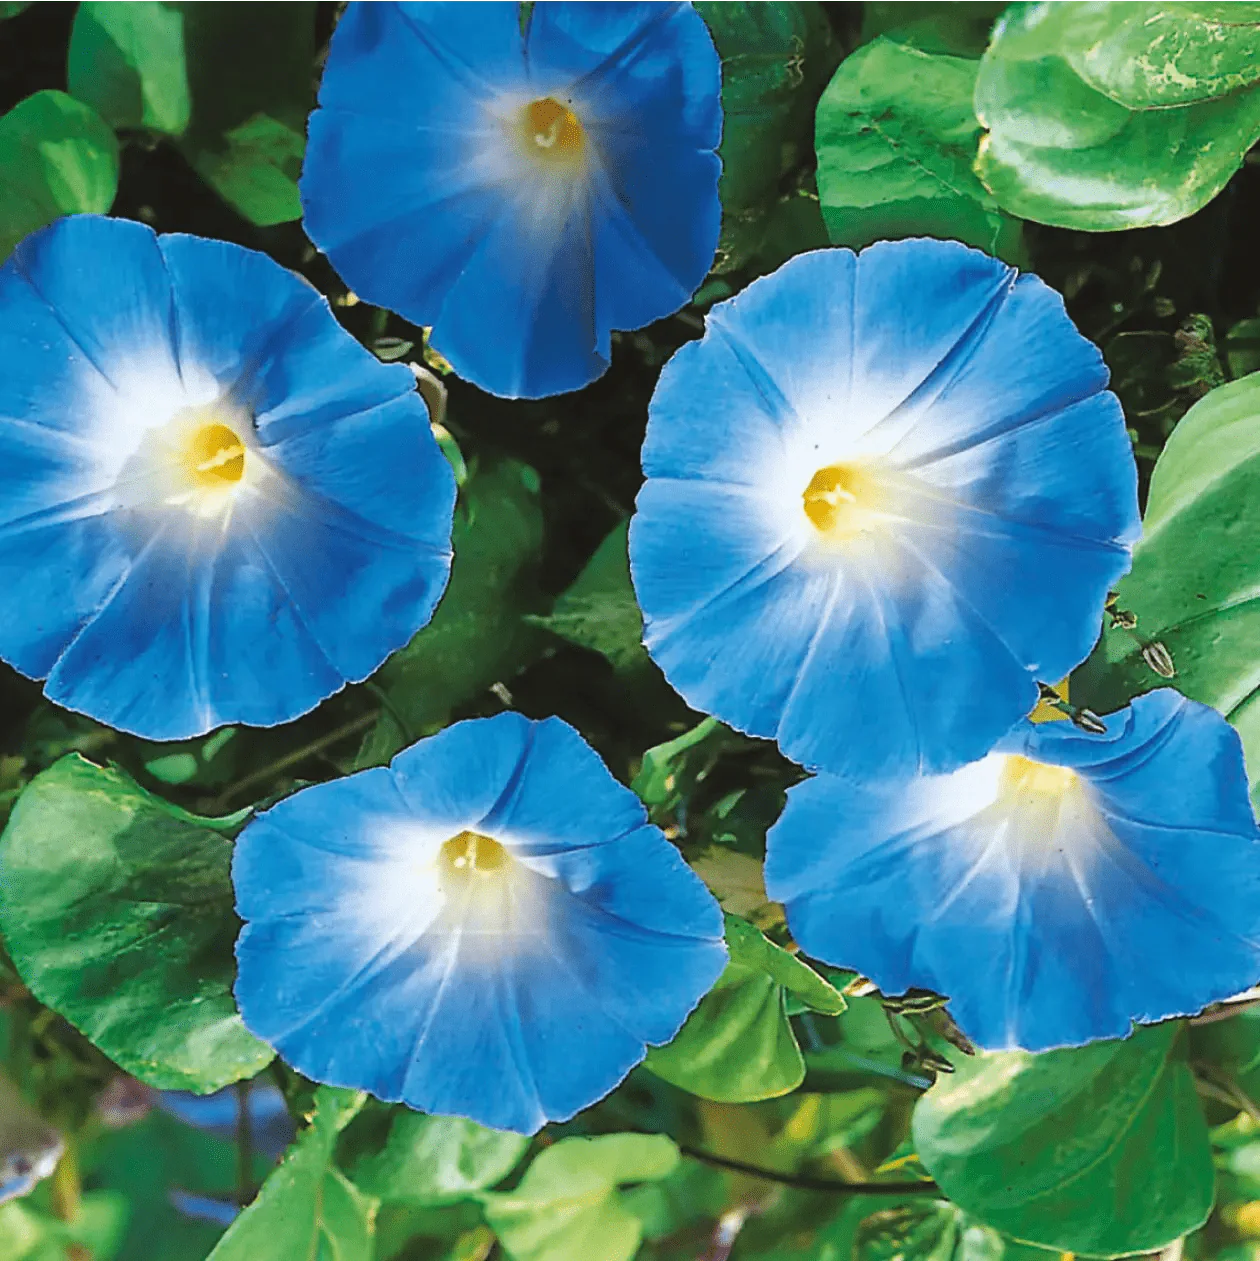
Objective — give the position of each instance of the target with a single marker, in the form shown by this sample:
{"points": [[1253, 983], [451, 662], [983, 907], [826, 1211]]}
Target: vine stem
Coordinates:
{"points": [[806, 1183], [244, 1146], [295, 758], [67, 1194]]}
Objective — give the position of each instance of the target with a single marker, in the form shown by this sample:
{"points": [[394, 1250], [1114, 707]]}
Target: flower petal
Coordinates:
{"points": [[1047, 922], [995, 505], [150, 598], [522, 264], [515, 994]]}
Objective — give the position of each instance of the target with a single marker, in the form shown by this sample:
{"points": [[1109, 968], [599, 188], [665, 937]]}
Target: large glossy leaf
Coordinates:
{"points": [[432, 1160], [1100, 1149], [307, 1208], [897, 134], [567, 1206], [1196, 572], [1100, 117], [1149, 54], [775, 59], [116, 909], [128, 61], [738, 1044], [480, 634], [57, 157], [774, 56]]}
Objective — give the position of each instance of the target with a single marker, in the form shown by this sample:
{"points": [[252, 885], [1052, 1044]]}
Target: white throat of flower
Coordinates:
{"points": [[199, 461]]}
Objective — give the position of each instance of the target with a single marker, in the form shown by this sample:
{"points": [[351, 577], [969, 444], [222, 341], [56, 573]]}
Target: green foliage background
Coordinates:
{"points": [[799, 1116]]}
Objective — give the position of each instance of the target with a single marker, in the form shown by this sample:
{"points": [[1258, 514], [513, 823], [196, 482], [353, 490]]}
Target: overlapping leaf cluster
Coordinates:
{"points": [[1043, 133]]}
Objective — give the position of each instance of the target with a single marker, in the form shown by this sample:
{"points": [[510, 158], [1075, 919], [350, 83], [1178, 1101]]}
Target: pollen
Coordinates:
{"points": [[551, 130], [842, 500], [215, 457], [471, 854]]}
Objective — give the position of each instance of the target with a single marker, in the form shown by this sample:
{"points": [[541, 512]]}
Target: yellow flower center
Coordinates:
{"points": [[551, 130], [214, 458], [469, 854], [1024, 777], [842, 500]]}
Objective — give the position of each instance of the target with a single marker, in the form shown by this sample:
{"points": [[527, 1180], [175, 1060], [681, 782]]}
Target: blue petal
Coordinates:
{"points": [[882, 685], [363, 224], [652, 81], [526, 808], [1144, 909], [54, 578], [106, 285], [86, 304], [750, 358], [429, 62], [402, 107], [528, 294], [1009, 507], [363, 973], [919, 308], [197, 634], [459, 776]]}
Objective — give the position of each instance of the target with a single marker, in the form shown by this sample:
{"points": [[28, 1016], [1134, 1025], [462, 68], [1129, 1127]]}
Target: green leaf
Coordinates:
{"points": [[667, 771], [599, 611], [897, 135], [738, 1045], [434, 1160], [751, 948], [28, 1234], [1151, 55], [250, 71], [959, 27], [775, 59], [1196, 572], [128, 62], [11, 8], [568, 1208], [1100, 1149], [1063, 152], [307, 1208], [230, 83], [57, 157], [256, 169], [1242, 347], [929, 1230], [117, 911], [479, 634]]}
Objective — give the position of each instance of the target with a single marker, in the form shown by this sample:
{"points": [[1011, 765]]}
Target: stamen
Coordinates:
{"points": [[552, 130], [842, 500], [470, 853], [215, 456]]}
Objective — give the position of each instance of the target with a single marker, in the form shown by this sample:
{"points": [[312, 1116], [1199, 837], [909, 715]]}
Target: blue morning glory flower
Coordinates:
{"points": [[215, 505], [488, 927], [885, 493], [1057, 890], [524, 192]]}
